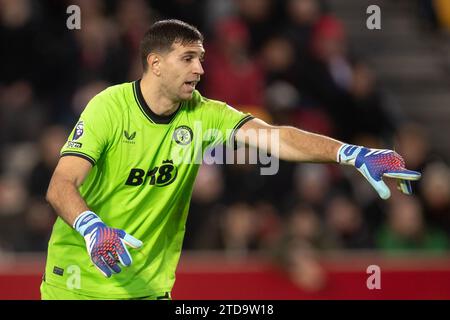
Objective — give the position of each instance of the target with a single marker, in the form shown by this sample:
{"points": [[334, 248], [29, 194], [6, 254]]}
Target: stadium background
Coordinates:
{"points": [[311, 231]]}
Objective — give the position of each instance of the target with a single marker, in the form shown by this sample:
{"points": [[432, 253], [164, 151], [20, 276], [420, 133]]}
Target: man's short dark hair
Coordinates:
{"points": [[162, 34]]}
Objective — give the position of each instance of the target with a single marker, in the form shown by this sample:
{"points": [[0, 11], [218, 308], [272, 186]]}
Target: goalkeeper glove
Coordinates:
{"points": [[105, 245], [374, 164]]}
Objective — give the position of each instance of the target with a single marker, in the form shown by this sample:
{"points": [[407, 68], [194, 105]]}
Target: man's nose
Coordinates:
{"points": [[198, 69]]}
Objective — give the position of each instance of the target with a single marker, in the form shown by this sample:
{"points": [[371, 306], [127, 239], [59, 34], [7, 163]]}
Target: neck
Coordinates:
{"points": [[156, 97]]}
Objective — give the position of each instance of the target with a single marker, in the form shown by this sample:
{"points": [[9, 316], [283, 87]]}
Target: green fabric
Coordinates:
{"points": [[431, 240], [137, 184], [49, 292]]}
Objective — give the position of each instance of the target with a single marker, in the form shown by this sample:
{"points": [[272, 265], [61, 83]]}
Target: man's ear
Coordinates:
{"points": [[153, 61]]}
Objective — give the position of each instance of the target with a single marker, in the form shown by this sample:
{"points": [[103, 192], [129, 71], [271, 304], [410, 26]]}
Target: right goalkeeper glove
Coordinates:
{"points": [[105, 245], [374, 164]]}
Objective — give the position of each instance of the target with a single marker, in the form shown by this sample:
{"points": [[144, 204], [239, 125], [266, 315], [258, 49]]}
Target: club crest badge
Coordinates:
{"points": [[182, 135]]}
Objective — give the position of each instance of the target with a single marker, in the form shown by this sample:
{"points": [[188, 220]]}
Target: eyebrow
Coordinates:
{"points": [[202, 53]]}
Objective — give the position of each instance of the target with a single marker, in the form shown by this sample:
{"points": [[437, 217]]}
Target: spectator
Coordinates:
{"points": [[346, 225], [99, 46], [133, 18], [38, 217], [411, 141], [406, 230], [311, 186], [304, 225], [206, 208], [302, 17], [239, 227], [435, 189], [259, 18], [304, 269], [13, 196], [374, 122], [327, 75], [51, 141], [232, 76], [18, 101], [191, 11], [16, 32]]}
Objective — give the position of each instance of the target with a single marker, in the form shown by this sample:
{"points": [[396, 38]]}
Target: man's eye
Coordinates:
{"points": [[188, 59]]}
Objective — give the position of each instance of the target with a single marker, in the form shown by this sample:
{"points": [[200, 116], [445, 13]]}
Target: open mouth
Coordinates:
{"points": [[191, 84]]}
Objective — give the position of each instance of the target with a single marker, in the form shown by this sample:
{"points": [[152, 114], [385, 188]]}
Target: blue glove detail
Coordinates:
{"points": [[105, 245], [374, 164]]}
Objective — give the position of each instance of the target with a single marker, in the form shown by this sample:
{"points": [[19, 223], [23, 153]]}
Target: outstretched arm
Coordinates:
{"points": [[292, 144], [289, 143]]}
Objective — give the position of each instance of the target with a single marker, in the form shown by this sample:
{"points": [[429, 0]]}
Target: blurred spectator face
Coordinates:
{"points": [[254, 10], [305, 270], [312, 182], [90, 9], [12, 196], [277, 54], [343, 216], [304, 224], [94, 41], [133, 14], [98, 34], [362, 81], [303, 11], [239, 226], [436, 185], [232, 36], [329, 39], [281, 99], [208, 186], [17, 96], [412, 144], [405, 217], [14, 13]]}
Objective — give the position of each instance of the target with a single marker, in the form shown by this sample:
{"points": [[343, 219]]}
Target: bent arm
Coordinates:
{"points": [[289, 143], [62, 193]]}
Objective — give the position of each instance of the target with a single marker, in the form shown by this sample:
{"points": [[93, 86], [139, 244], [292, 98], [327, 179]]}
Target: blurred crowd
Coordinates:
{"points": [[285, 61]]}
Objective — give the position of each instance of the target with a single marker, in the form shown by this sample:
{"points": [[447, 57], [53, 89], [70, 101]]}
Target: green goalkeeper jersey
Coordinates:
{"points": [[144, 167]]}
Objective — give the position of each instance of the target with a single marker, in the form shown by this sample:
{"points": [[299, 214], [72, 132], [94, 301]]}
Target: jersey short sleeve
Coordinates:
{"points": [[92, 133], [223, 121]]}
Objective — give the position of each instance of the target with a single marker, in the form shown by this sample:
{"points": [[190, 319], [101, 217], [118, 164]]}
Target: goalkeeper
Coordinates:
{"points": [[121, 197]]}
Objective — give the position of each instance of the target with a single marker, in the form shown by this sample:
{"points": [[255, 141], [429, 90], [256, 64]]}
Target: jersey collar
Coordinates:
{"points": [[150, 115]]}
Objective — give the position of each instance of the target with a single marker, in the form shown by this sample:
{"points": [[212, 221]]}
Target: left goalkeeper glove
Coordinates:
{"points": [[374, 164], [106, 246]]}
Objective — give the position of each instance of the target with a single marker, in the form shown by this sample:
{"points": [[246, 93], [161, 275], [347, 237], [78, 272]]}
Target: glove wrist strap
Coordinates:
{"points": [[347, 154], [338, 154], [85, 220]]}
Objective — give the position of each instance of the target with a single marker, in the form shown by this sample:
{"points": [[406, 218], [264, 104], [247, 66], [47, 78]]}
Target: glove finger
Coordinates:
{"points": [[405, 186], [131, 241], [379, 186], [111, 262], [123, 254], [100, 264], [403, 174]]}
